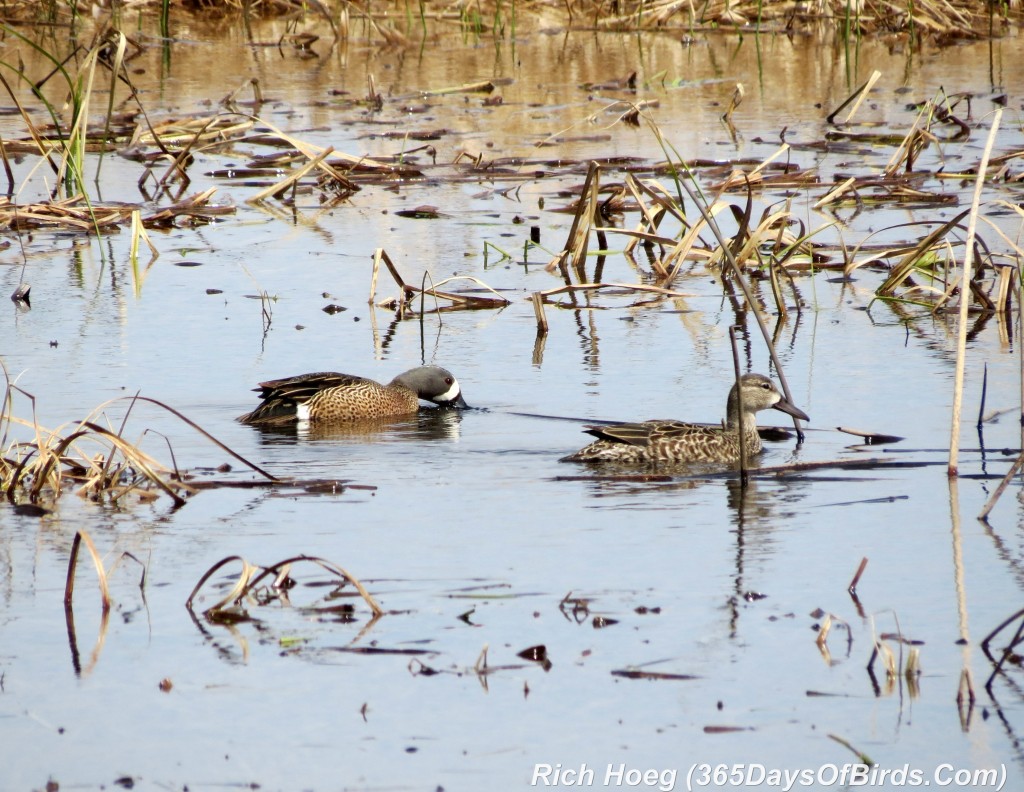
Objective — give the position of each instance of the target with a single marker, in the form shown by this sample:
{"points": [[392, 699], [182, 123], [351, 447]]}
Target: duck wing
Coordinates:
{"points": [[280, 397], [645, 433], [303, 387]]}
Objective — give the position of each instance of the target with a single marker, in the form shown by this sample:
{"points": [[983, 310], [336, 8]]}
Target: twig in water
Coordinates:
{"points": [[1009, 650], [984, 391], [852, 588]]}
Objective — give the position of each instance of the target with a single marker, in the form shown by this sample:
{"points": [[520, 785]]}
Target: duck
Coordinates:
{"points": [[675, 442], [328, 396]]}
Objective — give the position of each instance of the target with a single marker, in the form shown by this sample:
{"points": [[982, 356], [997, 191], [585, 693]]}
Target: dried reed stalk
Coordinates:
{"points": [[101, 575], [538, 310], [409, 292], [252, 575], [748, 295], [575, 250], [54, 458], [958, 384], [857, 97], [292, 179]]}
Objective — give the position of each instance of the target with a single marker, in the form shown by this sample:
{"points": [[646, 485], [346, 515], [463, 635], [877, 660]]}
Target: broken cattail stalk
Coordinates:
{"points": [[579, 233], [378, 254], [1004, 297], [538, 309]]}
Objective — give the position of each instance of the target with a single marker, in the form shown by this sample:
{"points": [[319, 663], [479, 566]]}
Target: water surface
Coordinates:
{"points": [[465, 527]]}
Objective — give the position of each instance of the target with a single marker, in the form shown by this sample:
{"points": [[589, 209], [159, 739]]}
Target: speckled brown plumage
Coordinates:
{"points": [[328, 396], [675, 441]]}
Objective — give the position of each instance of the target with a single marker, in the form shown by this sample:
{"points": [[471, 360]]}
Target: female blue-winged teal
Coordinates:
{"points": [[328, 396], [674, 441]]}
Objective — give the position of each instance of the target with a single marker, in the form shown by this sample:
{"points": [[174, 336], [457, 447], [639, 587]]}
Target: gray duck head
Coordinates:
{"points": [[433, 384]]}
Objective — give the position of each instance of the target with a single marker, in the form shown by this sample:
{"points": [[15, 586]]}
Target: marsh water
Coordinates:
{"points": [[679, 614]]}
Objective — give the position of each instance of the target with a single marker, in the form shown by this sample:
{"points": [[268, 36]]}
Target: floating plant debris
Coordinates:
{"points": [[421, 213], [538, 653], [871, 438], [635, 673]]}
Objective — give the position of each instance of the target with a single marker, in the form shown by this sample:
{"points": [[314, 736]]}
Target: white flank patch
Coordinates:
{"points": [[450, 394], [302, 411]]}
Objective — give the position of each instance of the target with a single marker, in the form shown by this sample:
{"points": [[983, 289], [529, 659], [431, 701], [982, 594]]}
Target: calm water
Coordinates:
{"points": [[466, 528]]}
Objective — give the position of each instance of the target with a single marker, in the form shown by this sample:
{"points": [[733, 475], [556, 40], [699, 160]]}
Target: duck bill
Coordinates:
{"points": [[458, 403], [784, 406]]}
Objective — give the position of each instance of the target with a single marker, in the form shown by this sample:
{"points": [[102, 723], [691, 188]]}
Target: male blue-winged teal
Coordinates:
{"points": [[674, 441], [328, 396]]}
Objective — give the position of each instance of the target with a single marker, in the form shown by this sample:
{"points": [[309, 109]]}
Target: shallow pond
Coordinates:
{"points": [[679, 614]]}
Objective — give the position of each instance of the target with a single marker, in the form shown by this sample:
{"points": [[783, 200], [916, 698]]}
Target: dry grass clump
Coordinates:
{"points": [[942, 21], [259, 586], [72, 143], [65, 11], [454, 301], [78, 214], [776, 242], [94, 459], [765, 245]]}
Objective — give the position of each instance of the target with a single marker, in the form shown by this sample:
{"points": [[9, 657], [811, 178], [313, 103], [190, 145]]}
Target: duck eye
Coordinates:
{"points": [[448, 380]]}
